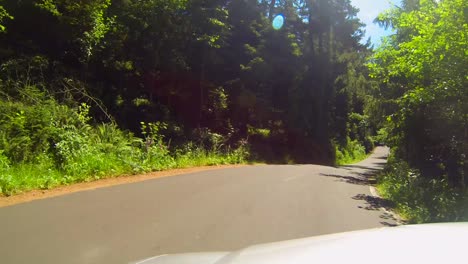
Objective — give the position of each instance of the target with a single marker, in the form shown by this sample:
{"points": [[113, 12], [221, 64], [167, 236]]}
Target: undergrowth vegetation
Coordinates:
{"points": [[352, 152], [44, 144], [422, 104], [421, 200], [358, 144]]}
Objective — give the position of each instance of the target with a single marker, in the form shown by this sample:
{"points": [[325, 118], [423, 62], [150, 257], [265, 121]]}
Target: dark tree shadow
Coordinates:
{"points": [[376, 204], [358, 174], [359, 180], [353, 167], [388, 224], [365, 174], [382, 164], [382, 157]]}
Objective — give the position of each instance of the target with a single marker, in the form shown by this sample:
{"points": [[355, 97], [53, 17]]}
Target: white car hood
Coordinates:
{"points": [[430, 244]]}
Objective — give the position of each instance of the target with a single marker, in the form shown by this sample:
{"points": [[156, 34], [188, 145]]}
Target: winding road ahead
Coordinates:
{"points": [[215, 210]]}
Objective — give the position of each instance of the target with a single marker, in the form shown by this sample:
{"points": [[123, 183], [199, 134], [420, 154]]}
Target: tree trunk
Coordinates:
{"points": [[272, 9]]}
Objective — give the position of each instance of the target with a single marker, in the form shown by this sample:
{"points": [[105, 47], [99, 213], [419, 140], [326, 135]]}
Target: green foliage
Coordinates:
{"points": [[3, 15], [382, 136], [27, 176], [351, 152], [87, 20], [214, 71], [263, 132], [28, 129], [359, 130], [421, 200], [423, 87], [50, 6], [44, 144], [422, 98], [192, 155]]}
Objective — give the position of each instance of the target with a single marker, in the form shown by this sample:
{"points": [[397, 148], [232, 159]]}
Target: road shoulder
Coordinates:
{"points": [[397, 217], [102, 183]]}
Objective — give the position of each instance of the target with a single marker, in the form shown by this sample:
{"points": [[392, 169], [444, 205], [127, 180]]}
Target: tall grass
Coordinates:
{"points": [[89, 167], [421, 200], [44, 144], [352, 152], [193, 155]]}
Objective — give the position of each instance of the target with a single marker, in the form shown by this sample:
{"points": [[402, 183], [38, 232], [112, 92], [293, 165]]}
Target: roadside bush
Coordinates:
{"points": [[381, 137], [26, 176], [418, 199], [4, 162], [368, 144], [352, 152], [44, 144], [195, 155], [261, 132], [239, 155]]}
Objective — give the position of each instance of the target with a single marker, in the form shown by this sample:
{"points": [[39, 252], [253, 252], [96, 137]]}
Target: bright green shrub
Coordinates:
{"points": [[44, 144], [4, 162], [352, 152], [418, 199]]}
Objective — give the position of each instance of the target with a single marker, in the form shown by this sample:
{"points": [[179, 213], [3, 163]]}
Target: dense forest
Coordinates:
{"points": [[422, 71], [96, 88]]}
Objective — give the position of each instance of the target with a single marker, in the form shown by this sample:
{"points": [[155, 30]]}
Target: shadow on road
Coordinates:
{"points": [[372, 203], [375, 204], [356, 174], [364, 173], [354, 167], [360, 179]]}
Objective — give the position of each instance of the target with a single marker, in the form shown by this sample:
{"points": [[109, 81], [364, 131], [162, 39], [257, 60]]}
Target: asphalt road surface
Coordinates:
{"points": [[215, 210]]}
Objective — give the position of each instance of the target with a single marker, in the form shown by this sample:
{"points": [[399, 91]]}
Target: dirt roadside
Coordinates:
{"points": [[84, 186]]}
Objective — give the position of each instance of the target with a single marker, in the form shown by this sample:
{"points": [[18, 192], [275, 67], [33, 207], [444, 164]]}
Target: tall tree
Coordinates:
{"points": [[422, 71], [199, 64]]}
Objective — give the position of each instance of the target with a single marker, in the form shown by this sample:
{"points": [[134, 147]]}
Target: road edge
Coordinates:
{"points": [[397, 217], [34, 195]]}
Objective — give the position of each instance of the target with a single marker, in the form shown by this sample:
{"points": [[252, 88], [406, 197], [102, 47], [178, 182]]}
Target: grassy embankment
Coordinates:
{"points": [[421, 200], [352, 153], [45, 144]]}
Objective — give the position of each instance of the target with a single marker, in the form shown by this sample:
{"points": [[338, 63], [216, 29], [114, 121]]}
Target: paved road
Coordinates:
{"points": [[206, 211]]}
